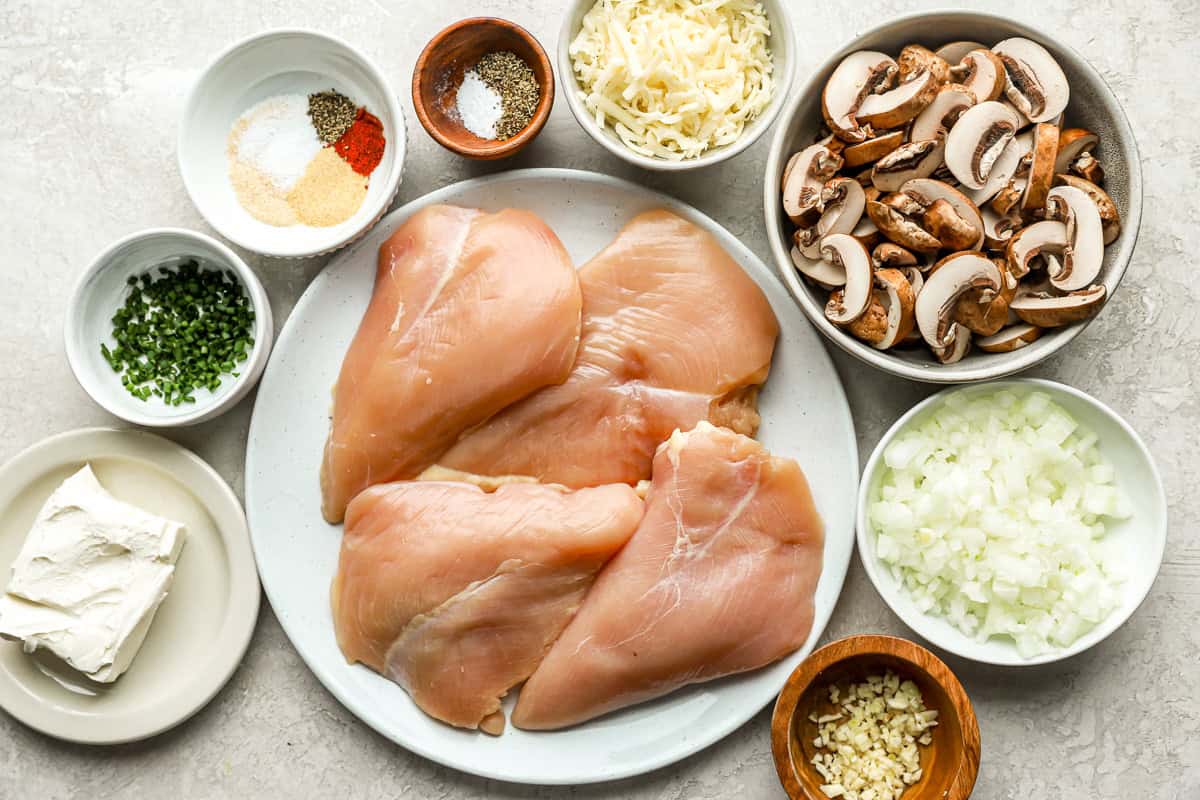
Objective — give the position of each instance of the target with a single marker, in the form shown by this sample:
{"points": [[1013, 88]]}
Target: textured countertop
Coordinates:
{"points": [[92, 93]]}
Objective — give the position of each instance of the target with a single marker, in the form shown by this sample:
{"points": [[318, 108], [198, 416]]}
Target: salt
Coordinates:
{"points": [[279, 139], [479, 106]]}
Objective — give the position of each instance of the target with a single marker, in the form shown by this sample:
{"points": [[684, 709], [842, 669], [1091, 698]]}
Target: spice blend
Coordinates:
{"points": [[304, 160], [498, 96], [180, 331]]}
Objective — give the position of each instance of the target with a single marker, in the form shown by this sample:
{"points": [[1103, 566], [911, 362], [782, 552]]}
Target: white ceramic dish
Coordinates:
{"points": [[805, 416], [1092, 106], [266, 64], [101, 291], [201, 630], [783, 48], [1142, 538]]}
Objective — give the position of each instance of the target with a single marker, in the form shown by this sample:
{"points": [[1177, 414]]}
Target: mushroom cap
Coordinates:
{"points": [[872, 326], [928, 190], [977, 140], [1014, 337], [953, 52], [803, 177], [890, 254], [1072, 143], [945, 225], [1041, 168], [960, 345], [1109, 218], [1030, 242], [1047, 310], [897, 106], [873, 149], [1084, 254], [944, 285], [1035, 82], [983, 311], [900, 229], [900, 301], [998, 229], [912, 160], [848, 253], [858, 74], [943, 111], [915, 58], [982, 72]]}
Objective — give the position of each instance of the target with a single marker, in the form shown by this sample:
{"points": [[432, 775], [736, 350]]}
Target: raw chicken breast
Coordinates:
{"points": [[718, 579], [674, 332], [456, 594], [471, 312]]}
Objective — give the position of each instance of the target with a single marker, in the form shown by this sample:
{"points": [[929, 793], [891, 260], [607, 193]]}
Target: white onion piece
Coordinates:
{"points": [[991, 513]]}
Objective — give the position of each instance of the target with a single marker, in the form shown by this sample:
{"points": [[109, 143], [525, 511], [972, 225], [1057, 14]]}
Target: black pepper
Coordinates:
{"points": [[511, 78], [332, 114]]}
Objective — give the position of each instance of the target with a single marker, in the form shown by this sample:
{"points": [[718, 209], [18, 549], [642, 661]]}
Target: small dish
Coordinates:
{"points": [[439, 71], [782, 42], [200, 632], [1142, 537], [100, 291], [950, 764], [267, 64], [1093, 106]]}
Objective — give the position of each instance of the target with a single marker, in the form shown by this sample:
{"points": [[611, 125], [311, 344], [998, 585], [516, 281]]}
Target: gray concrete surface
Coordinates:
{"points": [[90, 94]]}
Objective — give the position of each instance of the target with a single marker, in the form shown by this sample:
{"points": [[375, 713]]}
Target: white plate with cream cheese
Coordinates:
{"points": [[804, 416], [199, 633]]}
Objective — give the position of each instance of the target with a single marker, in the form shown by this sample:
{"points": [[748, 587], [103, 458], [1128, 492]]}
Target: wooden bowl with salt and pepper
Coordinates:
{"points": [[440, 71], [949, 764]]}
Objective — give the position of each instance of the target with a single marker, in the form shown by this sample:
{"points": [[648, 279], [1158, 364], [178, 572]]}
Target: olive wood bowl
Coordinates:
{"points": [[439, 71], [949, 765]]}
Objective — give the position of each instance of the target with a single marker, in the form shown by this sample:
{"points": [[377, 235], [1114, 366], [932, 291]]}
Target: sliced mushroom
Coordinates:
{"points": [[872, 326], [900, 302], [916, 279], [1047, 310], [1088, 168], [950, 279], [927, 191], [1041, 168], [818, 270], [806, 172], [866, 232], [890, 254], [1035, 82], [954, 51], [897, 106], [842, 200], [1084, 254], [1072, 143], [900, 229], [1003, 170], [983, 311], [1109, 217], [976, 141], [846, 252], [998, 229], [915, 59], [944, 223], [1028, 243], [871, 150], [856, 77], [940, 115], [958, 348], [913, 160], [1014, 337], [982, 72], [1008, 200]]}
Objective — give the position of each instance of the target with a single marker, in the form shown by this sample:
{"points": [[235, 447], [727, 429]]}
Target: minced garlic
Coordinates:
{"points": [[868, 749]]}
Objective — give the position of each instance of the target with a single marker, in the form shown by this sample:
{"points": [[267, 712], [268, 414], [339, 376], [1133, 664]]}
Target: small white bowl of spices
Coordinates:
{"points": [[292, 143], [168, 327]]}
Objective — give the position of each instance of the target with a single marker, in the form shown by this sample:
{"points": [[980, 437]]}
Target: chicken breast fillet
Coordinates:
{"points": [[470, 312], [674, 332], [456, 594], [718, 579]]}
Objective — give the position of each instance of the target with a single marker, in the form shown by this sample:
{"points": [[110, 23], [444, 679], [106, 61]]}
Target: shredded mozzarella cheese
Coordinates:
{"points": [[869, 749], [674, 77]]}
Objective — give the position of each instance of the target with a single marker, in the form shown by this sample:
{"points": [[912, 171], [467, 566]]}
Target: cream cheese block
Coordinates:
{"points": [[90, 577]]}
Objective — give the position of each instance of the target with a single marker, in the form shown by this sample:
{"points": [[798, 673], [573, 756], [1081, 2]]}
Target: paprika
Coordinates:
{"points": [[363, 143]]}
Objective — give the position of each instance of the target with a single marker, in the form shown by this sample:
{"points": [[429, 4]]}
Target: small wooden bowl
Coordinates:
{"points": [[439, 71], [950, 764]]}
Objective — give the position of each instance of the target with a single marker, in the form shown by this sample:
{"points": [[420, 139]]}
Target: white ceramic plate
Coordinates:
{"points": [[201, 630], [1141, 539], [805, 416]]}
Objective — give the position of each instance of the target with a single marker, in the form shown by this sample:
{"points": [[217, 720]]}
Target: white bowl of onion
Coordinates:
{"points": [[1015, 522]]}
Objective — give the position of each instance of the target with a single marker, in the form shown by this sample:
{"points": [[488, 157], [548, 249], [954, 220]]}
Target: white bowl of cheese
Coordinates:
{"points": [[619, 55]]}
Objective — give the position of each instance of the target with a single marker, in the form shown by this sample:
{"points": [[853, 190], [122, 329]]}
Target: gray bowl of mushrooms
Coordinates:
{"points": [[953, 196]]}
